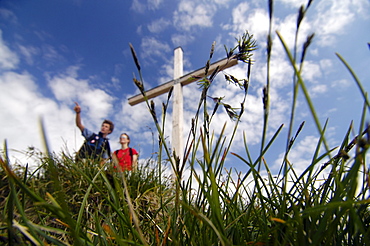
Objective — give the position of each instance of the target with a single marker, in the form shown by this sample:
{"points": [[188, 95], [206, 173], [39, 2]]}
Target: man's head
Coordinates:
{"points": [[107, 127]]}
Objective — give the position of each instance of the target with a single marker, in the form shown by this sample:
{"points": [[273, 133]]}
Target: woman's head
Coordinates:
{"points": [[124, 138]]}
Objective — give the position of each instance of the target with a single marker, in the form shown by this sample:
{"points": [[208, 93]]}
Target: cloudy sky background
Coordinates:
{"points": [[53, 53]]}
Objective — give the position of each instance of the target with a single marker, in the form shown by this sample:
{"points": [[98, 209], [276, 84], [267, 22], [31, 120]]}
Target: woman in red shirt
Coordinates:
{"points": [[126, 157]]}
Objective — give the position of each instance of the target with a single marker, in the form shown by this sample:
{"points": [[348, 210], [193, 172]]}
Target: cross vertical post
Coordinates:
{"points": [[177, 108]]}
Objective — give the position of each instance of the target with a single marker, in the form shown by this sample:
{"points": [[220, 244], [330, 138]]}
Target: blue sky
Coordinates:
{"points": [[53, 53]]}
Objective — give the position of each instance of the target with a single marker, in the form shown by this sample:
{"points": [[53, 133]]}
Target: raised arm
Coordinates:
{"points": [[77, 109]]}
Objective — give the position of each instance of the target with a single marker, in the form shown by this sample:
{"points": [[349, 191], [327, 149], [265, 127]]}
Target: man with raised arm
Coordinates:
{"points": [[96, 146]]}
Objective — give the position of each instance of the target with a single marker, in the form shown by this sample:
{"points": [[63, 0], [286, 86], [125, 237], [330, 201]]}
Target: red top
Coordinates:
{"points": [[124, 158]]}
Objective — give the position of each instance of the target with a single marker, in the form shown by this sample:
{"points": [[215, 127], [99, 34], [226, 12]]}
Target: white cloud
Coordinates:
{"points": [[255, 21], [8, 58], [193, 14], [139, 30], [132, 114], [22, 105], [138, 6], [166, 72], [182, 39], [342, 83], [152, 47], [294, 3], [154, 4], [159, 25], [67, 88], [287, 29], [318, 89], [300, 155], [311, 71], [222, 2], [50, 54], [326, 66], [333, 16], [28, 53], [8, 15], [141, 7], [280, 72]]}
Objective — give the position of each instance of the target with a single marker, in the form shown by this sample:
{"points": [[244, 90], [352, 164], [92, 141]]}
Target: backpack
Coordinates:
{"points": [[94, 147]]}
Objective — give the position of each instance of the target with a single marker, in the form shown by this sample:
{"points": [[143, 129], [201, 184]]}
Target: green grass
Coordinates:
{"points": [[66, 202]]}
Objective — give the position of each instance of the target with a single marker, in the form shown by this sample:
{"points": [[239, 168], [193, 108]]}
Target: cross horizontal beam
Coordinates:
{"points": [[184, 80]]}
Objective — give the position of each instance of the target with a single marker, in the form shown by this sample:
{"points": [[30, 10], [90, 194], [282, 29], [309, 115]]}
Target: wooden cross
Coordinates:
{"points": [[177, 83]]}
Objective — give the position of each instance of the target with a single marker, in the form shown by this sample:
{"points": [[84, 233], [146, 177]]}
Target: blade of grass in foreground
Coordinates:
{"points": [[362, 90], [304, 89]]}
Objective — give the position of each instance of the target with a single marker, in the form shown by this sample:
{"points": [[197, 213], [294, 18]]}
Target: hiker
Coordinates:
{"points": [[96, 146], [126, 157]]}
